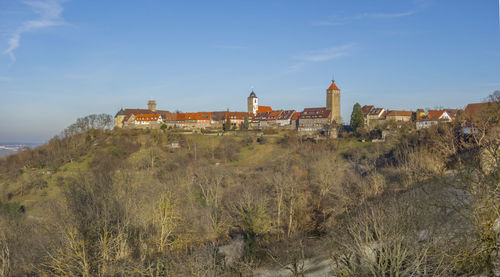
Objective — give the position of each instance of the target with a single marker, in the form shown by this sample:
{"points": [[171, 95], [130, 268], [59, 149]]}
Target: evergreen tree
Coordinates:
{"points": [[357, 117], [227, 124], [246, 124]]}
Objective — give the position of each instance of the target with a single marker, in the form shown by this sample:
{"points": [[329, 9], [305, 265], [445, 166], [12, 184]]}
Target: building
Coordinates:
{"points": [[294, 121], [237, 119], [141, 118], [366, 110], [314, 119], [152, 105], [372, 115], [147, 119], [268, 119], [476, 110], [333, 102], [257, 116], [200, 120], [285, 118], [434, 117], [275, 119], [398, 116], [420, 114], [253, 103]]}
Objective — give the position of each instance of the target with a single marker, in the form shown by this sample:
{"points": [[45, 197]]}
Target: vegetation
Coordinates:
{"points": [[357, 119], [227, 124], [101, 202]]}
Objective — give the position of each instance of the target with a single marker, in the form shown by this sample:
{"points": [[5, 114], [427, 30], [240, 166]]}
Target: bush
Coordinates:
{"points": [[228, 150]]}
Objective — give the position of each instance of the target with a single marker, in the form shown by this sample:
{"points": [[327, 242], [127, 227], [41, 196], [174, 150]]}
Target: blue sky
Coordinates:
{"points": [[60, 60]]}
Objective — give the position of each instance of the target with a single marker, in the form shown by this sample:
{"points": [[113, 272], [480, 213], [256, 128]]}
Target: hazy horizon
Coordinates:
{"points": [[60, 60]]}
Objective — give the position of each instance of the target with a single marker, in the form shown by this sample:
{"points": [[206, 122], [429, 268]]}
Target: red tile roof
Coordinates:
{"points": [[218, 116], [474, 110], [366, 109], [169, 116], [274, 115], [333, 86], [147, 117], [129, 112], [286, 115], [197, 116], [180, 117], [263, 109], [434, 115], [296, 116], [376, 111], [310, 113]]}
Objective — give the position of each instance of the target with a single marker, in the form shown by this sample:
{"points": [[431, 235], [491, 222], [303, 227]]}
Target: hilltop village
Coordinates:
{"points": [[311, 120], [316, 120]]}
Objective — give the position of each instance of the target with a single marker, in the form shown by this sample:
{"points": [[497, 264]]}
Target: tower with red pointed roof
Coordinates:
{"points": [[333, 102]]}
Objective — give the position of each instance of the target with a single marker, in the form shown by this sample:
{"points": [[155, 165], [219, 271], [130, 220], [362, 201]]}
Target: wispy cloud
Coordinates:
{"points": [[327, 54], [320, 55], [294, 68], [339, 20], [49, 13], [342, 20]]}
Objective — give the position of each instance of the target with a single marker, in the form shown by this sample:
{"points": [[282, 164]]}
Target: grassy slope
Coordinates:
{"points": [[249, 157]]}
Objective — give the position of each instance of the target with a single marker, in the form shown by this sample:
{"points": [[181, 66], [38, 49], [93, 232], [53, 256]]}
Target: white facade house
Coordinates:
{"points": [[435, 117]]}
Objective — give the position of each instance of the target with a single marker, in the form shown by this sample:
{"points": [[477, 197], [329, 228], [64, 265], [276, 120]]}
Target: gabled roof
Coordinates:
{"points": [[474, 110], [434, 115], [366, 109], [121, 112], [263, 109], [130, 112], [333, 86], [169, 116], [286, 115], [238, 115], [273, 115], [197, 116], [296, 116], [376, 111], [452, 112], [310, 113], [147, 117], [180, 116], [218, 116]]}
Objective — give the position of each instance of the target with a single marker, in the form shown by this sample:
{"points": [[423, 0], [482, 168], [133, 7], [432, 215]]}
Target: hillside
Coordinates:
{"points": [[156, 203]]}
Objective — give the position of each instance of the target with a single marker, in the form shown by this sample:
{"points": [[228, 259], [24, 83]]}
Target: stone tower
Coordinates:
{"points": [[253, 103], [152, 105], [333, 102]]}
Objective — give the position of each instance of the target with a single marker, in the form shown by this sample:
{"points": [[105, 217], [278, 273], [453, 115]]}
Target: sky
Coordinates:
{"points": [[60, 60]]}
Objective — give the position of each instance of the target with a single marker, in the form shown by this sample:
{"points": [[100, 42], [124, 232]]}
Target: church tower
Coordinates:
{"points": [[253, 103], [333, 102]]}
